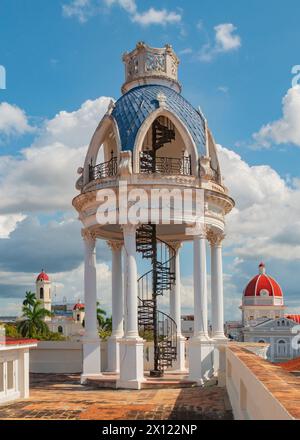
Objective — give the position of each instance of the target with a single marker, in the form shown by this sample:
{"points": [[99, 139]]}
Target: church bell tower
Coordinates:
{"points": [[43, 291]]}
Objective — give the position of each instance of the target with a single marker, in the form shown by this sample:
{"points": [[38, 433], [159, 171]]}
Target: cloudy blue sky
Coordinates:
{"points": [[63, 64]]}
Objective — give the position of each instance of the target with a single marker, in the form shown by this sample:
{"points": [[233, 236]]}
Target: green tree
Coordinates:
{"points": [[30, 299], [107, 326], [11, 331], [32, 323], [101, 316]]}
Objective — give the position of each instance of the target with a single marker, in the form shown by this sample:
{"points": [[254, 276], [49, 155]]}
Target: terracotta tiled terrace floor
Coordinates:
{"points": [[62, 397]]}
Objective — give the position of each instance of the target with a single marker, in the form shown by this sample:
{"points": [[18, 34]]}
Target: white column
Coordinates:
{"points": [[117, 307], [91, 343], [175, 311], [200, 346], [23, 373], [217, 301], [200, 288], [131, 345]]}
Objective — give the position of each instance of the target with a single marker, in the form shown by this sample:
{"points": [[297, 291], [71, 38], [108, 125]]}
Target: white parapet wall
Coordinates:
{"points": [[14, 368], [249, 396], [61, 357]]}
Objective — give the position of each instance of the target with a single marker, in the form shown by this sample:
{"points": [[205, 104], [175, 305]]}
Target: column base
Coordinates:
{"points": [[179, 365], [113, 354], [200, 359], [220, 361], [219, 337], [84, 377], [131, 363], [91, 359]]}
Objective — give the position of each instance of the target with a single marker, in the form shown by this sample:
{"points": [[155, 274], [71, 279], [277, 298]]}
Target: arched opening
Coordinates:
{"points": [[165, 136], [60, 329], [41, 293], [103, 153], [105, 164], [281, 348], [163, 150]]}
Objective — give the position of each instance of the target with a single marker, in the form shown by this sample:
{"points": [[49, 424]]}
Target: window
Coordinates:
{"points": [[281, 348], [41, 293], [10, 375], [78, 317], [60, 329]]}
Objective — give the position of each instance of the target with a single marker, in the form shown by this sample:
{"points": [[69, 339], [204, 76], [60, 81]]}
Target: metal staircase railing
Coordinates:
{"points": [[156, 282]]}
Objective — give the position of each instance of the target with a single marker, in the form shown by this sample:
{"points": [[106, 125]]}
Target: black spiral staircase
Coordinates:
{"points": [[160, 279], [156, 282]]}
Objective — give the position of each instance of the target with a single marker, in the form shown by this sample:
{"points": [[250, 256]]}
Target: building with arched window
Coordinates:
{"points": [[265, 321], [70, 324]]}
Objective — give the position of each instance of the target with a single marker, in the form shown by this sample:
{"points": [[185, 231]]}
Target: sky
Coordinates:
{"points": [[238, 61]]}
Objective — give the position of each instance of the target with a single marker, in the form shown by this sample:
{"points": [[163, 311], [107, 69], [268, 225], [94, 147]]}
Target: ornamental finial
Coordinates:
{"points": [[151, 65]]}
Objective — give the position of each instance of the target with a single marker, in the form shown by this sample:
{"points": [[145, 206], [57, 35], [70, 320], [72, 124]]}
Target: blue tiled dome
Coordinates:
{"points": [[137, 104]]}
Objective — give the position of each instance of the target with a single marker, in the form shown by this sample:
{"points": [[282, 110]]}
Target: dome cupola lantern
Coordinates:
{"points": [[262, 298], [149, 65]]}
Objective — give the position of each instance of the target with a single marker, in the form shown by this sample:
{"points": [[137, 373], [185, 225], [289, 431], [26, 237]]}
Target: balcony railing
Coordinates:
{"points": [[102, 170], [165, 165]]}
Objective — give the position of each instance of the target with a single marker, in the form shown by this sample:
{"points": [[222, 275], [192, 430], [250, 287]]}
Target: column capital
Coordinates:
{"points": [[215, 238], [202, 231], [115, 245], [176, 245], [88, 235]]}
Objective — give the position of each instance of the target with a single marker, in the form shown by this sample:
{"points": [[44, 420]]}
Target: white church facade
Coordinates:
{"points": [[264, 318]]}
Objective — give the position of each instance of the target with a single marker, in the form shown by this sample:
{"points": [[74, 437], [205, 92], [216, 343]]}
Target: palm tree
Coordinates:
{"points": [[101, 314], [30, 299], [107, 326], [33, 324]]}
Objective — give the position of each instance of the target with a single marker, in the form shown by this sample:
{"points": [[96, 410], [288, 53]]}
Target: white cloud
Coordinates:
{"points": [[223, 89], [13, 120], [128, 5], [185, 51], [8, 224], [34, 181], [67, 284], [155, 16], [84, 9], [80, 9], [225, 41], [287, 128], [266, 207]]}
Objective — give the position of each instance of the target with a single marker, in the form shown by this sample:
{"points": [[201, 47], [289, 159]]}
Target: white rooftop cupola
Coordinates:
{"points": [[149, 65]]}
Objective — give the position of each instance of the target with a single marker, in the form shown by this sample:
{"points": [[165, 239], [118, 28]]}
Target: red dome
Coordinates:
{"points": [[295, 318], [42, 277], [263, 285], [78, 306]]}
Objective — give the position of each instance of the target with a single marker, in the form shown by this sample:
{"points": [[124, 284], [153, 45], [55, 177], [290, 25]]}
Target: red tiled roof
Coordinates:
{"points": [[42, 276], [262, 281], [295, 318], [292, 365], [78, 306], [16, 341]]}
